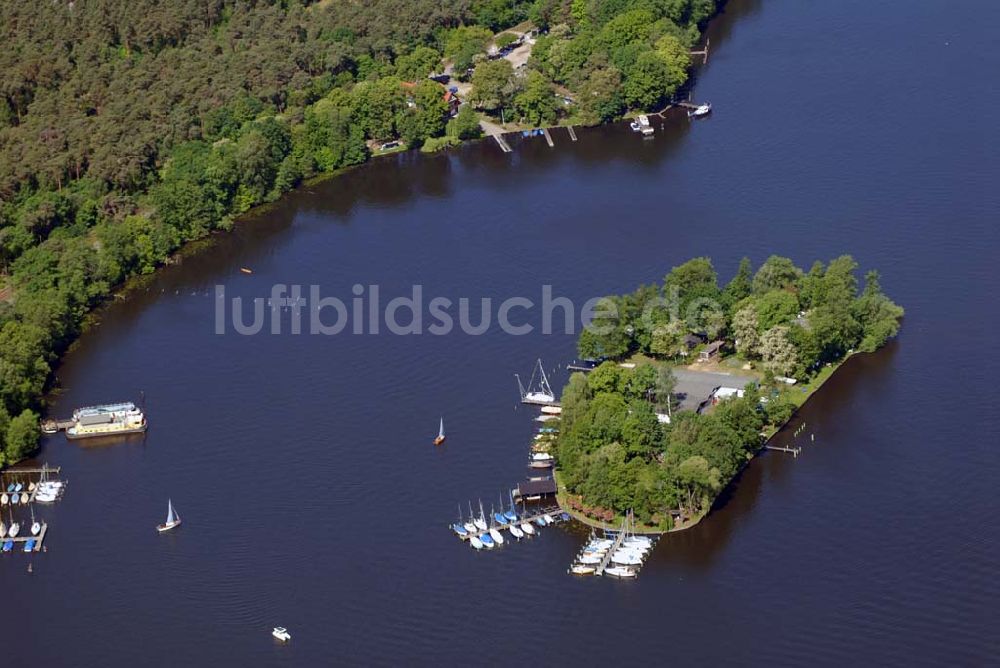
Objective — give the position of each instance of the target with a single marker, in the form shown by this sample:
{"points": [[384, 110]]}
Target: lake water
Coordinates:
{"points": [[302, 465]]}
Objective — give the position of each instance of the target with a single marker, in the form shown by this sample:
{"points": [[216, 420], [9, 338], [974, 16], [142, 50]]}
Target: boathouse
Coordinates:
{"points": [[535, 489], [710, 352]]}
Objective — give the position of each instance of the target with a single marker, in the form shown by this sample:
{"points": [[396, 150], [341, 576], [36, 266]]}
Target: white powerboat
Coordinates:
{"points": [[581, 569], [281, 633], [35, 528], [620, 572], [15, 528], [591, 559], [701, 110]]}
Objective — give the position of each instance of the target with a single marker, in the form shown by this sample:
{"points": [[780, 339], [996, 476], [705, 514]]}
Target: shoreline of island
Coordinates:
{"points": [[766, 343]]}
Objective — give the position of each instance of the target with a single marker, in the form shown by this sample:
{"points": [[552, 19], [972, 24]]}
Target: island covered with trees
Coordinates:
{"points": [[623, 445]]}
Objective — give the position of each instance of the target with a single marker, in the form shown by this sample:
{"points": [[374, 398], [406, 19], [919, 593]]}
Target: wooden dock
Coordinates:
{"points": [[548, 138], [703, 51], [501, 142], [29, 471], [780, 448], [24, 539], [571, 131]]}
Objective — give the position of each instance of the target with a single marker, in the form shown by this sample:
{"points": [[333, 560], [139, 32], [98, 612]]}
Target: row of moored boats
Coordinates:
{"points": [[620, 558], [486, 531]]}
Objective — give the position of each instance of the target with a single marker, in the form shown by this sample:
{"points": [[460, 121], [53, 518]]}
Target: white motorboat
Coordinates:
{"points": [[45, 498], [701, 110], [496, 536], [552, 410], [588, 560], [281, 633], [620, 571], [582, 569], [35, 528], [14, 529], [527, 528], [516, 532], [173, 519], [475, 543], [4, 499]]}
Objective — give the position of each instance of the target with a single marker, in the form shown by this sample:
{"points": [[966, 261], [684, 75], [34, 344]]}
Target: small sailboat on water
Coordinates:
{"points": [[173, 519], [440, 437]]}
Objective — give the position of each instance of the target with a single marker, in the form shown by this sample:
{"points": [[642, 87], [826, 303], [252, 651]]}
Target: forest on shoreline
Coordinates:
{"points": [[128, 129], [615, 452]]}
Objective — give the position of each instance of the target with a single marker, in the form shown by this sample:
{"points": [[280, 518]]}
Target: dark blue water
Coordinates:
{"points": [[302, 466]]}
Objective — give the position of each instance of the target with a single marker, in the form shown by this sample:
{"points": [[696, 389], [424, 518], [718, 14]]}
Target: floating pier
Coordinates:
{"points": [[571, 131], [548, 138]]}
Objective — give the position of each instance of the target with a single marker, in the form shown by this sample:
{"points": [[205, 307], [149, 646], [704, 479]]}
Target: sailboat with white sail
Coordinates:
{"points": [[440, 437], [173, 519]]}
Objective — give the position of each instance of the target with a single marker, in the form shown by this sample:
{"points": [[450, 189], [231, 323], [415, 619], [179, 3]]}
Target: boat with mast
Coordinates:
{"points": [[480, 521], [541, 395], [173, 519], [458, 527], [440, 437], [470, 526]]}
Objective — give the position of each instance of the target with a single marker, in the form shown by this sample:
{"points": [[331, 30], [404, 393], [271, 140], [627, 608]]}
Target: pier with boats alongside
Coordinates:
{"points": [[487, 531], [617, 553], [20, 490]]}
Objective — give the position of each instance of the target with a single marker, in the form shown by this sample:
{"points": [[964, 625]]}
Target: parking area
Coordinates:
{"points": [[694, 387]]}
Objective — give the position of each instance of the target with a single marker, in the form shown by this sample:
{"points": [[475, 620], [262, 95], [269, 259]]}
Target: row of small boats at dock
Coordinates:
{"points": [[620, 554], [20, 534], [486, 531]]}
